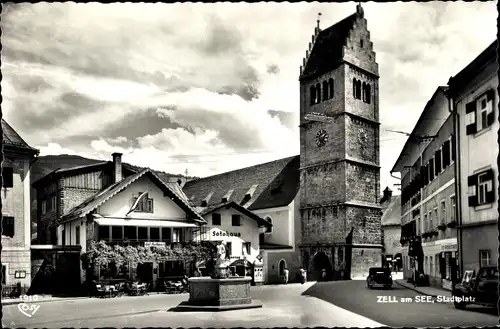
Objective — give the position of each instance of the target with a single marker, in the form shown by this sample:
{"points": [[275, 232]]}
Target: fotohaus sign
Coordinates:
{"points": [[225, 233]]}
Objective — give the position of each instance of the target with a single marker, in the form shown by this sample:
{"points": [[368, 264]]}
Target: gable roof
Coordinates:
{"points": [[231, 204], [12, 139], [328, 48], [251, 186], [392, 213], [101, 197], [461, 79]]}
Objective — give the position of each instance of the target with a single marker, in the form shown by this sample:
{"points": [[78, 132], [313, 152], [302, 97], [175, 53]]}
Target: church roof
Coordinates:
{"points": [[328, 48], [267, 185], [11, 138]]}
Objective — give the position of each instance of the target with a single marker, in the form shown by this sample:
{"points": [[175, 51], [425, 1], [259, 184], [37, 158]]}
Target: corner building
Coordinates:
{"points": [[339, 152]]}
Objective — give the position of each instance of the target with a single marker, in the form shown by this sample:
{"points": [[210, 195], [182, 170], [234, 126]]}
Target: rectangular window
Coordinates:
{"points": [[176, 235], [77, 235], [216, 219], [116, 233], [429, 226], [130, 233], [483, 110], [437, 160], [166, 234], [154, 233], [452, 208], [484, 186], [63, 236], [247, 247], [436, 216], [484, 257], [142, 233], [8, 177], [236, 220], [104, 233], [431, 169], [446, 153], [145, 203], [4, 274], [443, 211], [44, 206], [8, 226]]}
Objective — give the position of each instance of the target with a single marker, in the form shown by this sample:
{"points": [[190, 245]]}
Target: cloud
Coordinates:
{"points": [[170, 83], [273, 69]]}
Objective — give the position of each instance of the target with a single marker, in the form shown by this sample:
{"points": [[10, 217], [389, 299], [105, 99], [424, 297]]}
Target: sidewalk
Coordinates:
{"points": [[428, 291]]}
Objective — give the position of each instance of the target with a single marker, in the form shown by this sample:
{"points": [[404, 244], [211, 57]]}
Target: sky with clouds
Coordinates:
{"points": [[211, 87]]}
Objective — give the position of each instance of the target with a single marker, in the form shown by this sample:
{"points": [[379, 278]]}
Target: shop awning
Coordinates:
{"points": [[112, 221]]}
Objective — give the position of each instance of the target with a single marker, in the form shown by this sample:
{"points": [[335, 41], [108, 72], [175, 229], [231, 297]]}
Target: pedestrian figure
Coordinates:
{"points": [[323, 275], [285, 275], [303, 275]]}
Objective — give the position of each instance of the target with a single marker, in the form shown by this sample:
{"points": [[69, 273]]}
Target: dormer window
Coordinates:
{"points": [[226, 197]]}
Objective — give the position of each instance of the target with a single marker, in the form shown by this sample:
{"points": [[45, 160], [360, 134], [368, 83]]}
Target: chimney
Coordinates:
{"points": [[117, 167]]}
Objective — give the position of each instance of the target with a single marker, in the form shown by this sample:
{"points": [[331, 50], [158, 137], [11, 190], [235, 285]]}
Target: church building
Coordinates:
{"points": [[323, 204]]}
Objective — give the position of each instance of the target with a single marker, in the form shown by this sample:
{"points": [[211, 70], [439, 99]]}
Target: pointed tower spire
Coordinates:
{"points": [[359, 9], [319, 19]]}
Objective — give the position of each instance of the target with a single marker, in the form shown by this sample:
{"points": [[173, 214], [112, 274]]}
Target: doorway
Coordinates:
{"points": [[281, 268], [321, 263]]}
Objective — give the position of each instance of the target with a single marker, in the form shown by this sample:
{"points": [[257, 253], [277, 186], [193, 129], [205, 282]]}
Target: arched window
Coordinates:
{"points": [[325, 91], [270, 220], [330, 88], [368, 93], [363, 92], [358, 89], [354, 84], [312, 92], [318, 93]]}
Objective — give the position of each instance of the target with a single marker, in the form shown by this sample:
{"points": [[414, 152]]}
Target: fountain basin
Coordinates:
{"points": [[207, 294]]}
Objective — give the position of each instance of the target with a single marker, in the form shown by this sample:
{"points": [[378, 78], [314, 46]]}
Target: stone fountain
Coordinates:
{"points": [[220, 292]]}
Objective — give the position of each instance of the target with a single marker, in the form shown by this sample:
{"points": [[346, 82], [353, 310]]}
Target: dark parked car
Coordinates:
{"points": [[480, 289], [379, 277]]}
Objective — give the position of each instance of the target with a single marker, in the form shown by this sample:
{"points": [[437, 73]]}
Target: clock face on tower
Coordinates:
{"points": [[321, 137]]}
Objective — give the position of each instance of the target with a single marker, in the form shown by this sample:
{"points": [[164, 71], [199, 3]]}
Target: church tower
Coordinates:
{"points": [[339, 152]]}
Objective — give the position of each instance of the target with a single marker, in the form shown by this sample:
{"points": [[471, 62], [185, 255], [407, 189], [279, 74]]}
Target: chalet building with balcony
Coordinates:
{"points": [[16, 233], [117, 205], [474, 94], [428, 197], [270, 192]]}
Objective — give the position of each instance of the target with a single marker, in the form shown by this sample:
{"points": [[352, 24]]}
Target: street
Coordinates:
{"points": [[357, 298], [283, 306], [329, 304]]}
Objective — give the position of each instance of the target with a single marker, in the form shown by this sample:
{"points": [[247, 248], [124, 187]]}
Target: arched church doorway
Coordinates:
{"points": [[321, 267]]}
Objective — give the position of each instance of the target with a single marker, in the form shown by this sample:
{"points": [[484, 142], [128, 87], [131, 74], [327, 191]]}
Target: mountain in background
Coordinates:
{"points": [[44, 165]]}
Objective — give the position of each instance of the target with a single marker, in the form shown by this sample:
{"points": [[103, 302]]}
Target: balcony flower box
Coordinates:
{"points": [[441, 227], [434, 233], [452, 224]]}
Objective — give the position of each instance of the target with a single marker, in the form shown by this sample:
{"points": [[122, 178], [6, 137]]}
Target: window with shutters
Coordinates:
{"points": [[437, 160], [453, 204], [484, 257], [443, 212], [431, 169], [479, 113], [446, 153], [480, 188], [453, 148], [8, 223]]}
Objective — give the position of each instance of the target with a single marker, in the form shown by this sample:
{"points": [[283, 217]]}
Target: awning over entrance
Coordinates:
{"points": [[111, 221]]}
